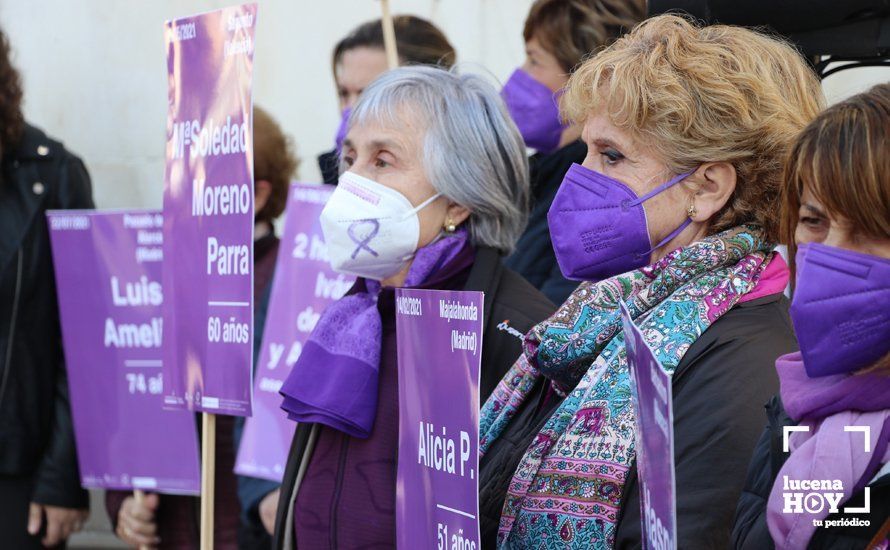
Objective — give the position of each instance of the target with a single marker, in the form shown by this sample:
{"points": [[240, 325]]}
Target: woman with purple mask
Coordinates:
{"points": [[672, 213], [837, 217], [424, 201], [359, 58], [558, 35]]}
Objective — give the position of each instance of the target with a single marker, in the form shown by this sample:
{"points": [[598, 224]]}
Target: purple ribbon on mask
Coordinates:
{"points": [[362, 242]]}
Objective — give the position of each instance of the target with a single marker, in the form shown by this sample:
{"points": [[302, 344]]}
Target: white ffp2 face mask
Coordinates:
{"points": [[371, 231]]}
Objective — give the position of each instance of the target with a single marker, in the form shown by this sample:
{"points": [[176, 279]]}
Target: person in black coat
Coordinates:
{"points": [[360, 57], [41, 500], [840, 378], [558, 35]]}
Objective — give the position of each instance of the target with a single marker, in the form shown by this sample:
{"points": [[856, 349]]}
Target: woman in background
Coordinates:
{"points": [[837, 216], [360, 57], [558, 35]]}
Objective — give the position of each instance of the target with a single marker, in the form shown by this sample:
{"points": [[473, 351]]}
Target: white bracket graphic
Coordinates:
{"points": [[787, 430], [864, 429], [865, 509]]}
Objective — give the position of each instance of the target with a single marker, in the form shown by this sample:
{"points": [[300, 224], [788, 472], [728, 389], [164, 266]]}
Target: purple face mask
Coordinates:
{"points": [[342, 129], [840, 309], [598, 225], [535, 111]]}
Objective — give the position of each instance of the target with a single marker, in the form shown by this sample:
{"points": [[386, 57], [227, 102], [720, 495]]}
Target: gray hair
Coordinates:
{"points": [[473, 154]]}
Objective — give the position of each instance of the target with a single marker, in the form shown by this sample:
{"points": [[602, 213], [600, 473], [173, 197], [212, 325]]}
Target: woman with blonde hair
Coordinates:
{"points": [[673, 214], [836, 218]]}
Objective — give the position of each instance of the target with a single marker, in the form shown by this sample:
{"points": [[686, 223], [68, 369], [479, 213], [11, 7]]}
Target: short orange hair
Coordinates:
{"points": [[697, 94]]}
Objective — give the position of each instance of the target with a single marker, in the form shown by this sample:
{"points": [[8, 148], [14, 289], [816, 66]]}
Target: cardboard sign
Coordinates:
{"points": [[303, 286], [208, 212], [439, 337], [655, 439], [108, 280]]}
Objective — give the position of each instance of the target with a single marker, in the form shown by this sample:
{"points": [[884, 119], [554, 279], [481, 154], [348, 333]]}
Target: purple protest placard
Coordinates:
{"points": [[654, 441], [108, 272], [303, 286], [208, 212], [439, 337]]}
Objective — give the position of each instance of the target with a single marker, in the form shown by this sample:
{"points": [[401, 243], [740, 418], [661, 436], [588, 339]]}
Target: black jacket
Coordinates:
{"points": [[36, 434], [534, 258], [717, 388], [751, 531], [512, 307]]}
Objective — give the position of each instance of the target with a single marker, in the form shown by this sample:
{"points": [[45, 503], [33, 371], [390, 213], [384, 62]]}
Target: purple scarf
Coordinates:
{"points": [[826, 452], [334, 382]]}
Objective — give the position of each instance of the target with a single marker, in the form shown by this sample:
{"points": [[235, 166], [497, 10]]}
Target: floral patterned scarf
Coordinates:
{"points": [[567, 488]]}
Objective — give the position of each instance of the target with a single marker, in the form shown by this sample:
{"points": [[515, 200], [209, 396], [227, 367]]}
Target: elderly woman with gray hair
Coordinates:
{"points": [[432, 194]]}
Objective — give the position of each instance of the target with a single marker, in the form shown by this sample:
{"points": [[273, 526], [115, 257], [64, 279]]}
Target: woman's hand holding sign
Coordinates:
{"points": [[136, 521]]}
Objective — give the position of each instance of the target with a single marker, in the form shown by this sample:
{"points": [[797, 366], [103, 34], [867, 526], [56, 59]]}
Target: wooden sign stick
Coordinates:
{"points": [[208, 472], [140, 499], [389, 36]]}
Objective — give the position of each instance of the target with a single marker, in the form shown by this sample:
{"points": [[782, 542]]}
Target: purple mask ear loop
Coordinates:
{"points": [[664, 186], [670, 237]]}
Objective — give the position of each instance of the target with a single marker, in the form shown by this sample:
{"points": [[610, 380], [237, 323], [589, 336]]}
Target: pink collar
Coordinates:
{"points": [[773, 280]]}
